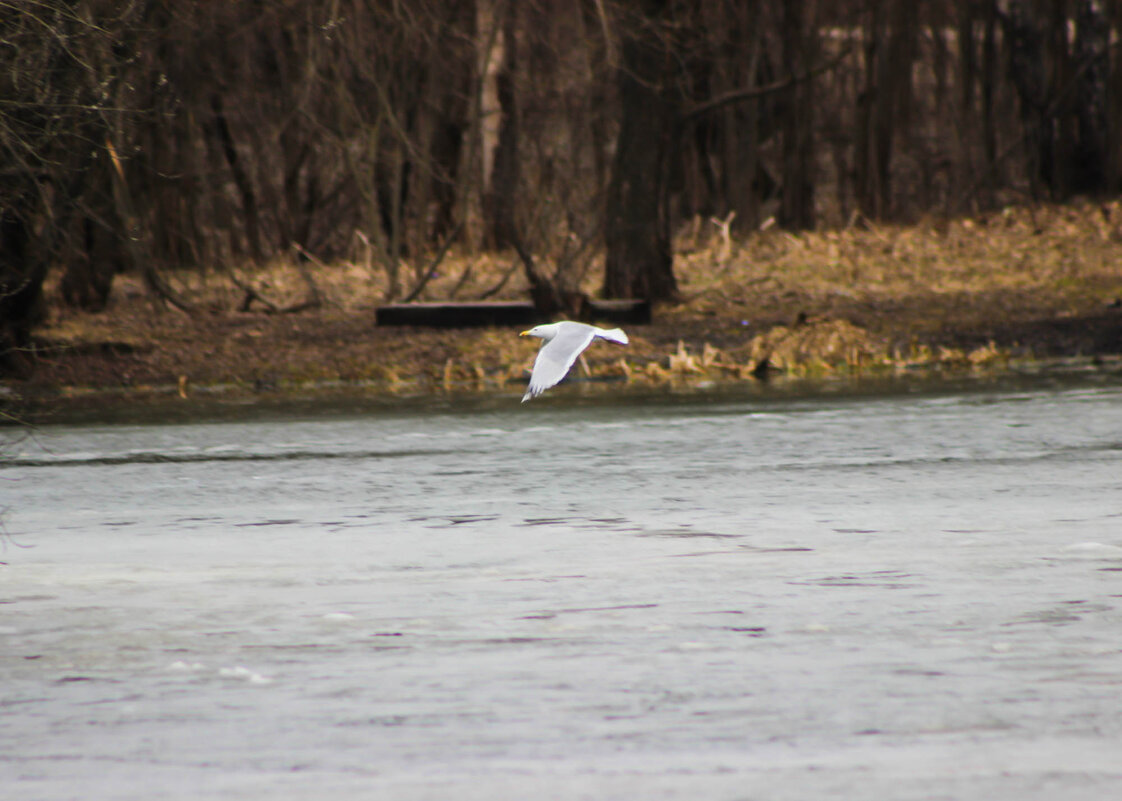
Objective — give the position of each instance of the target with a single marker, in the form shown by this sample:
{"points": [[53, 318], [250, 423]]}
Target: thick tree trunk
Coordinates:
{"points": [[21, 294], [639, 263]]}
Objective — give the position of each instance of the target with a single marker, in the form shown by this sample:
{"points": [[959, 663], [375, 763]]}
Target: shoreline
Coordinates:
{"points": [[193, 361], [225, 401]]}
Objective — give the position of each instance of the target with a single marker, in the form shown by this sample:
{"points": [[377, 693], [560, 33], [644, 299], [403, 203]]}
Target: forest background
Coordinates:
{"points": [[194, 153]]}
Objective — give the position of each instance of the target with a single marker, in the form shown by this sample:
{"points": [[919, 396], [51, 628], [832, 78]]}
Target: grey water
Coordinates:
{"points": [[726, 596]]}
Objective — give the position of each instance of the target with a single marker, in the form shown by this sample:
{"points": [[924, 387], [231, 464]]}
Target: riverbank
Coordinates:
{"points": [[981, 293]]}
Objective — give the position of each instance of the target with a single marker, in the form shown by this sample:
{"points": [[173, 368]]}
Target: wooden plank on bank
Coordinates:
{"points": [[458, 315], [620, 312], [505, 313]]}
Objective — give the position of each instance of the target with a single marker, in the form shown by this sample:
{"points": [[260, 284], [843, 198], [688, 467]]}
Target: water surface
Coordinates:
{"points": [[730, 596]]}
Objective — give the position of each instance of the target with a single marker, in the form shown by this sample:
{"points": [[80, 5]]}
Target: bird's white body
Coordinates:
{"points": [[562, 343]]}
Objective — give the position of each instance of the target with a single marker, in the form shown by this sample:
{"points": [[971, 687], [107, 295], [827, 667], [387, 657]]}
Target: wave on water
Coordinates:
{"points": [[154, 457]]}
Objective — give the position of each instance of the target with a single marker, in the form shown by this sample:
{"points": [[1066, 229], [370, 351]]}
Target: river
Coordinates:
{"points": [[907, 594]]}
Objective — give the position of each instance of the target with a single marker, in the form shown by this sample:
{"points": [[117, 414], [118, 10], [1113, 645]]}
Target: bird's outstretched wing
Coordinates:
{"points": [[556, 357]]}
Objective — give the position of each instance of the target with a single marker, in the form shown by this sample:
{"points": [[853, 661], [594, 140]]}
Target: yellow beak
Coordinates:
{"points": [[524, 333]]}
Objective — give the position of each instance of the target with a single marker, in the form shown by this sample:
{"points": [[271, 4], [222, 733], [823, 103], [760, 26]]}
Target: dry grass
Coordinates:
{"points": [[964, 293]]}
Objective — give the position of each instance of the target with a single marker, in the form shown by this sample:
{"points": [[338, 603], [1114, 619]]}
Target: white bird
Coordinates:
{"points": [[562, 343]]}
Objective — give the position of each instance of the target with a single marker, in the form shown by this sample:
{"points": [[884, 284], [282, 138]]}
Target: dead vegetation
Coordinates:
{"points": [[963, 294]]}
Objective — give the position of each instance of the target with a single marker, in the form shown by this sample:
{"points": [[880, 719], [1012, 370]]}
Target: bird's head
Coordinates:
{"points": [[540, 331]]}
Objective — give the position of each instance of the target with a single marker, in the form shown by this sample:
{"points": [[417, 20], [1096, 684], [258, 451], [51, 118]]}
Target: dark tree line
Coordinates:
{"points": [[153, 135]]}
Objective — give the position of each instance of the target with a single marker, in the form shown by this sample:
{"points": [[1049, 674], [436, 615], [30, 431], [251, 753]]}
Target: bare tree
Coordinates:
{"points": [[61, 94], [638, 261]]}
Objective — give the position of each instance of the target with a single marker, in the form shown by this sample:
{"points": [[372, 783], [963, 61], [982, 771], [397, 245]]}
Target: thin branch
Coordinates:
{"points": [[252, 294], [502, 281], [430, 270], [463, 279], [753, 92], [315, 298]]}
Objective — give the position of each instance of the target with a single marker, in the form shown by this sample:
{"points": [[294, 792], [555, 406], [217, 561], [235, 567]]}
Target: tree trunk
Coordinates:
{"points": [[638, 262], [502, 194], [989, 93], [890, 44], [1090, 162], [1027, 71], [242, 181], [21, 294], [91, 267], [1114, 104], [870, 193], [796, 201]]}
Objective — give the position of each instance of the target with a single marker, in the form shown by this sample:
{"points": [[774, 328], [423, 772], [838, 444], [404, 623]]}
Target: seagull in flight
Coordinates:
{"points": [[562, 343]]}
